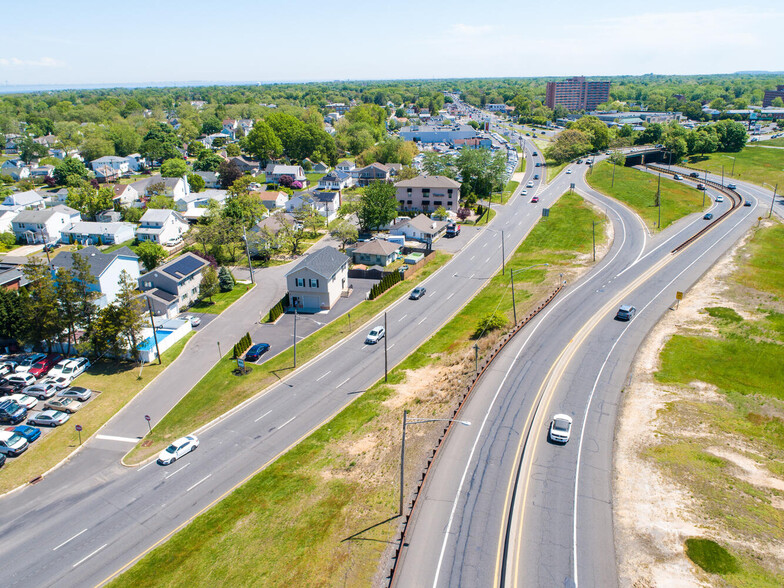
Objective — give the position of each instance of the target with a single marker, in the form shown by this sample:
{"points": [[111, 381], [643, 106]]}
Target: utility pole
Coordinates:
{"points": [[503, 254], [476, 358], [386, 338], [613, 176], [295, 336], [514, 308], [658, 201], [154, 333], [772, 200], [247, 251], [594, 239], [402, 460], [722, 176]]}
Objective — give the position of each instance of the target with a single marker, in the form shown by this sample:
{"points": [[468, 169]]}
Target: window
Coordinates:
{"points": [[410, 202], [449, 191], [313, 283], [402, 202], [437, 202], [147, 284], [300, 282], [449, 203], [426, 203], [408, 191]]}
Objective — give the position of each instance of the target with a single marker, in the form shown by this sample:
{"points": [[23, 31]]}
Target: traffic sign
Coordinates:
{"points": [[78, 427], [241, 363], [545, 212], [147, 418], [679, 296]]}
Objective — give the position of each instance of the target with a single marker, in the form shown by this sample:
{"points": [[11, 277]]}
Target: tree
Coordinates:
{"points": [[677, 146], [209, 283], [41, 307], [777, 102], [69, 172], [263, 143], [569, 144], [90, 201], [196, 182], [407, 173], [434, 164], [29, 149], [617, 158], [732, 135], [225, 279], [596, 130], [440, 212], [86, 309], [129, 314], [174, 168], [228, 173], [208, 161], [125, 138], [291, 237], [345, 232], [161, 202], [233, 150], [651, 135], [151, 254], [94, 147], [160, 143], [378, 206], [132, 214], [310, 218], [242, 206], [481, 171]]}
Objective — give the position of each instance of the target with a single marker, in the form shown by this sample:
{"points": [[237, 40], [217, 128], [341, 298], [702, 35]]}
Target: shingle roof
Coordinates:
{"points": [[92, 228], [98, 260], [425, 224], [41, 216], [377, 247], [159, 215], [325, 196], [325, 262], [428, 182], [183, 266]]}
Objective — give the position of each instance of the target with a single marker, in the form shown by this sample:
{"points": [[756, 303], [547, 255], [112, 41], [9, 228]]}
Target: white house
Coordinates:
{"points": [[113, 162], [136, 162], [275, 172], [272, 199], [194, 205], [336, 180], [420, 228], [211, 179], [161, 226], [97, 233], [43, 226], [125, 194], [42, 172], [327, 204], [105, 269], [6, 216], [16, 169], [317, 282], [346, 166], [173, 187], [29, 199]]}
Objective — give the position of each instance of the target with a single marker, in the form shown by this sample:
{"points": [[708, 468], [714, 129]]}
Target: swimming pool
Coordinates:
{"points": [[149, 342]]}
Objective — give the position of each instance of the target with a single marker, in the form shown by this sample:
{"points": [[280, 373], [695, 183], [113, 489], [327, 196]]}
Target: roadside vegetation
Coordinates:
{"points": [[334, 495], [754, 164]]}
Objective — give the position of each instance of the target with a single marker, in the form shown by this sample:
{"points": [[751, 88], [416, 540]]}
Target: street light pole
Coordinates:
{"points": [[658, 202], [295, 336], [772, 200], [247, 251], [503, 254], [154, 334], [511, 275], [386, 338], [476, 357], [593, 233]]}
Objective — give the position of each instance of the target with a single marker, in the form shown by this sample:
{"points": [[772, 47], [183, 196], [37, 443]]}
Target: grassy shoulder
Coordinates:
{"points": [[117, 383], [220, 390], [222, 300], [553, 169], [752, 164], [711, 442], [638, 190], [323, 513], [509, 189]]}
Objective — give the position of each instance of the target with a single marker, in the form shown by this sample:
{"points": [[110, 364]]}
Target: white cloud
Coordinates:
{"points": [[42, 62], [471, 30]]}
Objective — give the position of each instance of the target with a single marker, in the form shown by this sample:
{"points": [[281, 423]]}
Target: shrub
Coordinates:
{"points": [[490, 322], [385, 284], [711, 556], [225, 279], [278, 309]]}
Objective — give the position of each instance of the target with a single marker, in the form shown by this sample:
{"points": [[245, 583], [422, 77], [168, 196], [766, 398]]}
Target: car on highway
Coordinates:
{"points": [[530, 184], [12, 444], [677, 177], [417, 293], [26, 431], [69, 405], [568, 171], [694, 175], [747, 203], [21, 399], [708, 216], [176, 450], [700, 186], [79, 393], [375, 335], [560, 428], [625, 313], [48, 418], [732, 186], [524, 192], [256, 351], [535, 199]]}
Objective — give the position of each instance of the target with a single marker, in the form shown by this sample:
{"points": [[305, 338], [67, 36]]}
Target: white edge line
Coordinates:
{"points": [[69, 540], [199, 482], [89, 556]]}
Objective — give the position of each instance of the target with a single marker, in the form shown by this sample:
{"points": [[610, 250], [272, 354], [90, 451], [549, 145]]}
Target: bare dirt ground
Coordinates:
{"points": [[655, 514]]}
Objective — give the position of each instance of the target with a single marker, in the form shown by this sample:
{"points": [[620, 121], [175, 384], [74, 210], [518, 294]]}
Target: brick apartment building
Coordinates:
{"points": [[577, 93], [771, 95]]}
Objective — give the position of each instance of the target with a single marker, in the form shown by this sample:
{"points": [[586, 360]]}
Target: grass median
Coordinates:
{"points": [[638, 190], [323, 513], [509, 189], [118, 383], [752, 164], [220, 390]]}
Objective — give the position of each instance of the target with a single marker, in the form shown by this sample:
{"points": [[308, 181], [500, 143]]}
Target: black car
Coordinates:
{"points": [[255, 352], [417, 293], [625, 313], [11, 413], [708, 216], [747, 203], [694, 175]]}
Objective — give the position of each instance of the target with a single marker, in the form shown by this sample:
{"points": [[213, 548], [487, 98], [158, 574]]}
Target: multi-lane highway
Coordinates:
{"points": [[504, 506]]}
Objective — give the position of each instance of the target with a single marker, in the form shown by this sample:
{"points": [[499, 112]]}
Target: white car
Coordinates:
{"points": [[22, 378], [27, 362], [58, 382], [375, 335], [560, 428], [194, 320], [12, 444], [28, 402], [568, 171], [524, 192], [173, 242], [719, 198], [70, 368], [176, 450]]}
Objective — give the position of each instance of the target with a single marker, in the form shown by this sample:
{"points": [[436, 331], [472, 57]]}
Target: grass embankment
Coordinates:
{"points": [[220, 390], [509, 189], [774, 142], [752, 164], [638, 189], [118, 384], [711, 440], [323, 513], [222, 300], [553, 169]]}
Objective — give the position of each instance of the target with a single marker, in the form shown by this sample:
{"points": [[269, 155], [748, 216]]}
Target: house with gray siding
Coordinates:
{"points": [[317, 282], [174, 285]]}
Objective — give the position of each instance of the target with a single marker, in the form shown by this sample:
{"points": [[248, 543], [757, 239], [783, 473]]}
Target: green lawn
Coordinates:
{"points": [[638, 189], [523, 164], [753, 164], [509, 189], [112, 248], [776, 142], [289, 524], [553, 169], [313, 178], [222, 300]]}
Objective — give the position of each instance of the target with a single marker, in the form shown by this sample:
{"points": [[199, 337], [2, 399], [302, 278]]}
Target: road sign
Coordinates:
{"points": [[78, 427], [147, 418], [545, 212], [571, 185], [241, 363], [679, 296]]}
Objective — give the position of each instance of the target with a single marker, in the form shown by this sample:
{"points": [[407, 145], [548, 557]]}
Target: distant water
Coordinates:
{"points": [[23, 89]]}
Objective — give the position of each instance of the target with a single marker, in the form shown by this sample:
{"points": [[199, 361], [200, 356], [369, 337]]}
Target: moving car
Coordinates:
{"points": [[535, 199], [530, 184], [26, 431], [375, 335], [568, 171], [677, 177], [11, 413], [560, 428], [68, 405], [719, 198], [700, 186], [176, 450], [77, 392], [417, 293], [12, 444], [256, 351], [48, 418], [524, 192], [694, 175], [625, 313], [747, 203], [732, 186], [708, 216]]}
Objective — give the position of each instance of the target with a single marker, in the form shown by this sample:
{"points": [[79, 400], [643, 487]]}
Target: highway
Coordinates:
{"points": [[92, 517], [502, 506]]}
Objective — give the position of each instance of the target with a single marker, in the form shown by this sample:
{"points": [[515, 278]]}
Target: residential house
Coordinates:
{"points": [[161, 226], [317, 282], [136, 162], [15, 168], [60, 153], [195, 205], [245, 125], [157, 185], [59, 196], [6, 216], [47, 140], [42, 172], [98, 233], [274, 222], [347, 166], [119, 165], [428, 193], [44, 226], [106, 173], [11, 141], [420, 228], [275, 172], [246, 165], [105, 268], [211, 179], [30, 199], [327, 204], [108, 216], [375, 172], [230, 128], [339, 107], [321, 167], [336, 180], [174, 285], [208, 140], [11, 272], [376, 252], [272, 199], [125, 194]]}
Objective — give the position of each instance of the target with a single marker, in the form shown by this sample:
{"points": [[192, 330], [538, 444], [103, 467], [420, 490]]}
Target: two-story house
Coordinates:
{"points": [[125, 194], [98, 233], [110, 164], [275, 172], [44, 226], [272, 199], [317, 282], [30, 199], [375, 172], [246, 165], [161, 226], [105, 269], [336, 180], [157, 185], [327, 204], [428, 193], [15, 168], [193, 206], [174, 285]]}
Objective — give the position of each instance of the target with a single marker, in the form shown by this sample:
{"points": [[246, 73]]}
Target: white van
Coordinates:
{"points": [[12, 444]]}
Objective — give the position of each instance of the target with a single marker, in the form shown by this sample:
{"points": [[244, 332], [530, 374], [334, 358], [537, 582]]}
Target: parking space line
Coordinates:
{"points": [[69, 540], [322, 376], [182, 468], [262, 416], [199, 482], [286, 423], [89, 556]]}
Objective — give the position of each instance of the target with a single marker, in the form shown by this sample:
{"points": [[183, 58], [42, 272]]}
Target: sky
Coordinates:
{"points": [[83, 42]]}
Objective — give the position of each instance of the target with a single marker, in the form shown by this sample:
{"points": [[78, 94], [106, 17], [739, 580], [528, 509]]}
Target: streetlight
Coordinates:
{"points": [[503, 254], [247, 251], [772, 200], [414, 421], [511, 275]]}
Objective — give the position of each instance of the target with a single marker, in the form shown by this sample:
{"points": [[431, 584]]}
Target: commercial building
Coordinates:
{"points": [[428, 193], [577, 93], [437, 134], [771, 95]]}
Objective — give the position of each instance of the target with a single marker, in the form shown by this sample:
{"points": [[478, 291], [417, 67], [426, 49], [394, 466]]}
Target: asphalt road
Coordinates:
{"points": [[574, 358], [91, 517]]}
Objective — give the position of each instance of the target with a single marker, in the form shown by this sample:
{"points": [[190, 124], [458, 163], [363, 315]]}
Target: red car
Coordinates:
{"points": [[42, 366], [535, 199]]}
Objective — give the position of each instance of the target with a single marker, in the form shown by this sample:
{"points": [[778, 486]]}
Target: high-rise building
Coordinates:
{"points": [[771, 95], [577, 93]]}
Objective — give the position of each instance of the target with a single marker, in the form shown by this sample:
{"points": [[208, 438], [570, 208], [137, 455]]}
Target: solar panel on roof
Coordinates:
{"points": [[183, 267]]}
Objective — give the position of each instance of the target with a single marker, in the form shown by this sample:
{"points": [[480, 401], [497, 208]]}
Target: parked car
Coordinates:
{"points": [[28, 402], [2, 459], [48, 418], [708, 216], [26, 362], [255, 352], [375, 335], [176, 450], [452, 230], [625, 313], [68, 405], [21, 379], [195, 321], [26, 431], [42, 366], [59, 382], [6, 368], [173, 242], [71, 368], [11, 413], [12, 444], [77, 392], [560, 428], [417, 293]]}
